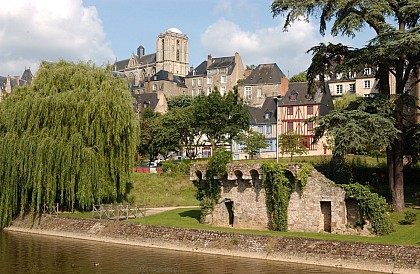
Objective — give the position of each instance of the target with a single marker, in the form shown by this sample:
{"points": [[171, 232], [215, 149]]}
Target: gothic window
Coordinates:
{"points": [[163, 49]]}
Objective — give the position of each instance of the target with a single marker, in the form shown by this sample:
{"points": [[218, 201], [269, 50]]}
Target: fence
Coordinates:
{"points": [[116, 212], [50, 210]]}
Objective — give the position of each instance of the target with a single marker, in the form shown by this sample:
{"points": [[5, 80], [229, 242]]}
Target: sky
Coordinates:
{"points": [[103, 31]]}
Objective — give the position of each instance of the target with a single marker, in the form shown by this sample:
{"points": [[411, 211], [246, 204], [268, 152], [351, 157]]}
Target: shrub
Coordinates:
{"points": [[409, 218]]}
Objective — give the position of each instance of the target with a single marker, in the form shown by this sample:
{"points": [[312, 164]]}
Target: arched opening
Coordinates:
{"points": [[238, 174]]}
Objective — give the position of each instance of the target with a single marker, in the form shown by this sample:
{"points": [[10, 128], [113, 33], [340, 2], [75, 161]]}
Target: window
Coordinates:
{"points": [[247, 94], [192, 92], [208, 91], [310, 110], [293, 96], [339, 89], [222, 91], [200, 82], [223, 70], [289, 110], [259, 94], [260, 129], [223, 79], [193, 82], [366, 84], [267, 115], [154, 87], [268, 129], [310, 126], [352, 87], [367, 71], [209, 80], [352, 75], [289, 126]]}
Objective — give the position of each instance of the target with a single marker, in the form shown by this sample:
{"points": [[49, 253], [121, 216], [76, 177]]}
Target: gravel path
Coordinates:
{"points": [[155, 210]]}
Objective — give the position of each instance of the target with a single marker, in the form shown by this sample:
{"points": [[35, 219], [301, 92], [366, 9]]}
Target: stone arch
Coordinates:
{"points": [[255, 177], [199, 175], [238, 174]]}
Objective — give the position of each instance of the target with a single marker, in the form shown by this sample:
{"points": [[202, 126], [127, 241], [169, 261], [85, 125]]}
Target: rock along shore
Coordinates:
{"points": [[339, 254]]}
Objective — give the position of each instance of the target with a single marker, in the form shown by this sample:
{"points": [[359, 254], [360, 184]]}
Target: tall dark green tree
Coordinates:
{"points": [[395, 51], [68, 138]]}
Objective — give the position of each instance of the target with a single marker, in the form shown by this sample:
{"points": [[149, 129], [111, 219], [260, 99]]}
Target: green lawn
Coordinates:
{"points": [[189, 218], [159, 190]]}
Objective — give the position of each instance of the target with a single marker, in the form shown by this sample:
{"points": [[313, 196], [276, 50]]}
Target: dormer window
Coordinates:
{"points": [[293, 96], [267, 115], [367, 71]]}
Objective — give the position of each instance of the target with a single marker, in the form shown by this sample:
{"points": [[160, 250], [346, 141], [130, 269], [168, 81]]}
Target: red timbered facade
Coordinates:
{"points": [[296, 107]]}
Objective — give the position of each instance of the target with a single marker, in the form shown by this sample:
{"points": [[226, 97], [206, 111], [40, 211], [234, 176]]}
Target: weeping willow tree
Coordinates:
{"points": [[67, 138]]}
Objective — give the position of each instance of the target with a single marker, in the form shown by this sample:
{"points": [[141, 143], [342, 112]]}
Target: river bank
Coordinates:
{"points": [[373, 257]]}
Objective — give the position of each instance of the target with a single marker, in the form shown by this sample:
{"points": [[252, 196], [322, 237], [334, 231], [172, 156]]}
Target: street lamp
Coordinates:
{"points": [[277, 98]]}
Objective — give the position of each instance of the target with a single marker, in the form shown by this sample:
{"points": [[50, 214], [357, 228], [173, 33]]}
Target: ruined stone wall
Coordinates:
{"points": [[304, 212], [320, 207], [249, 207]]}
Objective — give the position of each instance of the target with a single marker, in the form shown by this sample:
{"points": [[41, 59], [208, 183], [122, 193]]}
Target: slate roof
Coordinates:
{"points": [[27, 75], [164, 75], [264, 74], [297, 95], [257, 115], [218, 62], [149, 99], [145, 59]]}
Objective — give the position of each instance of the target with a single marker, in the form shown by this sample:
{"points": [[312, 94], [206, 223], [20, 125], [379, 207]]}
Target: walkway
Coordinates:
{"points": [[155, 210]]}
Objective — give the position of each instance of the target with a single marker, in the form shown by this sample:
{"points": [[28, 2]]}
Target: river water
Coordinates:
{"points": [[30, 253]]}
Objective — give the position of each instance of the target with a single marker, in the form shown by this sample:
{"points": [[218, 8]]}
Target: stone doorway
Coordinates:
{"points": [[326, 215], [229, 207]]}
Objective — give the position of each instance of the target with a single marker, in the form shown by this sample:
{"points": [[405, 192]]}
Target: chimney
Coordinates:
{"points": [[140, 51], [209, 58], [17, 78], [236, 57], [284, 85], [8, 84], [191, 69], [248, 72]]}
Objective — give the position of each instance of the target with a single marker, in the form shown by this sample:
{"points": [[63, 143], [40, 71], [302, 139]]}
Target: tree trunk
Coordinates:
{"points": [[396, 175]]}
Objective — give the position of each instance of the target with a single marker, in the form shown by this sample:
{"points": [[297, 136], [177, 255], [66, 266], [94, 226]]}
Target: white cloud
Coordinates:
{"points": [[35, 30], [265, 45]]}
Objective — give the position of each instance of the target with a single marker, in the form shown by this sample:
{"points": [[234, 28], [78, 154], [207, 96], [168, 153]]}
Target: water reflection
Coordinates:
{"points": [[27, 253]]}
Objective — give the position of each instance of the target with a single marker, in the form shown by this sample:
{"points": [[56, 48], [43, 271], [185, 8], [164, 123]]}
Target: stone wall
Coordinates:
{"points": [[357, 255]]}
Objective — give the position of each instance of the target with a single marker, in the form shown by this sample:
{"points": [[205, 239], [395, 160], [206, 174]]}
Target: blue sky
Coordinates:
{"points": [[105, 30]]}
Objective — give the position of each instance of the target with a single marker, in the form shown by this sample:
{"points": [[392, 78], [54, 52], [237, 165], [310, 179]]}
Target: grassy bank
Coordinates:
{"points": [[161, 190]]}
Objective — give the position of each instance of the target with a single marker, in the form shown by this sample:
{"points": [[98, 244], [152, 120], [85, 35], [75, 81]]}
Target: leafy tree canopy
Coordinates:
{"points": [[292, 143], [300, 77], [67, 138], [219, 117], [180, 101], [252, 142]]}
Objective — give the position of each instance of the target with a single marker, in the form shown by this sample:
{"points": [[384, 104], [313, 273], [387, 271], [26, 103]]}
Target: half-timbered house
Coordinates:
{"points": [[296, 107]]}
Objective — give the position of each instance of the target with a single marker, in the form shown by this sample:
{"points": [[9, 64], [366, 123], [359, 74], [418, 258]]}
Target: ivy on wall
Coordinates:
{"points": [[372, 205], [209, 190], [278, 184]]}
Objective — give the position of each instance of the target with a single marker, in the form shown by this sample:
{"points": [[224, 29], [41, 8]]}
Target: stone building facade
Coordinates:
{"points": [[320, 207], [163, 70], [266, 80]]}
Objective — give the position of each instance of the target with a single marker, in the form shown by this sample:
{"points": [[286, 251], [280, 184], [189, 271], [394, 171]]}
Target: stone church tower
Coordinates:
{"points": [[172, 52], [171, 56]]}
